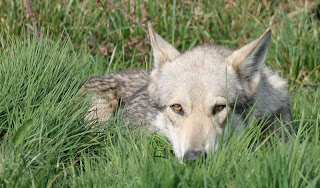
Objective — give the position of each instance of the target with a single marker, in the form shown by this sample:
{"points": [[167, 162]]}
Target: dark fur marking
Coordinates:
{"points": [[260, 52]]}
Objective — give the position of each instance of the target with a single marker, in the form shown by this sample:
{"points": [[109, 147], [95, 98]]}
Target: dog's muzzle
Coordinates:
{"points": [[192, 155]]}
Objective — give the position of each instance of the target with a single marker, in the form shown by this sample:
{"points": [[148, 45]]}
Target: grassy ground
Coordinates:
{"points": [[43, 137]]}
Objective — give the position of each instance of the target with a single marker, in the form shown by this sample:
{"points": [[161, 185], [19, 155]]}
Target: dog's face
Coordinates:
{"points": [[196, 91], [191, 91]]}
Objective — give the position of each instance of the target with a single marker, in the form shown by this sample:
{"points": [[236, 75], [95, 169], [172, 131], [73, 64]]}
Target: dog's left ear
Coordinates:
{"points": [[162, 51], [249, 60]]}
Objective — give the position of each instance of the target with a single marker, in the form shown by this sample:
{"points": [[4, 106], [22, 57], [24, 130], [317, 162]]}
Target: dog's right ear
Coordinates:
{"points": [[162, 51]]}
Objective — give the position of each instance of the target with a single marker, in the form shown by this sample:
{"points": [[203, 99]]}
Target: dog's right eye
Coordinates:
{"points": [[177, 108]]}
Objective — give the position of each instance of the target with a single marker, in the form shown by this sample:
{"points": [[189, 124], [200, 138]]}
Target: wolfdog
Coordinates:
{"points": [[188, 96]]}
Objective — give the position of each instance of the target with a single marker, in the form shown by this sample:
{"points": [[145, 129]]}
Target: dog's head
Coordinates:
{"points": [[195, 91]]}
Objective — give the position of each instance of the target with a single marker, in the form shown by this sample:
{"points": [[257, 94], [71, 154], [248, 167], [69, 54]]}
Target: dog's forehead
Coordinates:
{"points": [[198, 67], [203, 58], [213, 51], [197, 74]]}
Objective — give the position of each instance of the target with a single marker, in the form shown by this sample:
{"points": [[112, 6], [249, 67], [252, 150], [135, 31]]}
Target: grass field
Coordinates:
{"points": [[43, 135]]}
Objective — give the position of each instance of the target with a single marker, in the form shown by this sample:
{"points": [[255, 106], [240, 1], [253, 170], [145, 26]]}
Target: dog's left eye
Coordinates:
{"points": [[218, 108]]}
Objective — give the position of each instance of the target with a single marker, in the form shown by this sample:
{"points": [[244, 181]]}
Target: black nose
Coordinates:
{"points": [[192, 155]]}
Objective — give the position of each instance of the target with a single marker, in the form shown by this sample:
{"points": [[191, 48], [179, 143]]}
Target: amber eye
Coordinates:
{"points": [[177, 108], [218, 108]]}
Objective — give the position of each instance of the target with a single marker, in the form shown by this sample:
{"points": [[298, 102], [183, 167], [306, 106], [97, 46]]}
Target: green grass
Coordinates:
{"points": [[43, 135]]}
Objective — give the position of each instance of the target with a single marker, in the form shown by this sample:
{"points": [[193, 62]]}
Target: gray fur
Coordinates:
{"points": [[199, 79], [111, 90]]}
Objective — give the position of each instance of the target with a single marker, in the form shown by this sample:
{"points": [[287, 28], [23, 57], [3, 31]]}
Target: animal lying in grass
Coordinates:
{"points": [[188, 96]]}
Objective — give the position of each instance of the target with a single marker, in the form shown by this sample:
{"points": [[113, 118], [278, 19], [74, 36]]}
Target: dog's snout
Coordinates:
{"points": [[192, 155]]}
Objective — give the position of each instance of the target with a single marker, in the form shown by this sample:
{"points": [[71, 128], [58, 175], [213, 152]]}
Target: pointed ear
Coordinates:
{"points": [[162, 51], [249, 60]]}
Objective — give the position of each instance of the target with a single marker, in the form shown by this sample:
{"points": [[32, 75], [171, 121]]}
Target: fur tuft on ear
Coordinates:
{"points": [[162, 50], [249, 60]]}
